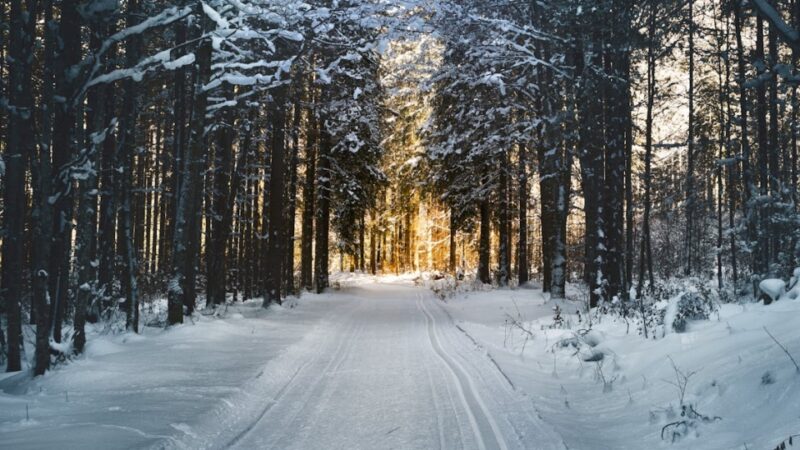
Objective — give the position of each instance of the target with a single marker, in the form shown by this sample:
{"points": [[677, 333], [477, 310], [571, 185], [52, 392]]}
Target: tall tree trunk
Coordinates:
{"points": [[484, 242], [762, 247], [795, 249], [307, 231], [373, 255], [128, 149], [591, 155], [190, 183], [451, 266], [690, 194], [221, 213], [19, 146], [747, 175], [522, 246], [85, 243], [291, 207], [558, 281], [774, 241], [645, 253], [323, 212], [504, 239], [733, 173], [361, 241], [618, 108], [106, 242], [42, 214], [547, 176], [723, 140], [64, 150], [277, 193]]}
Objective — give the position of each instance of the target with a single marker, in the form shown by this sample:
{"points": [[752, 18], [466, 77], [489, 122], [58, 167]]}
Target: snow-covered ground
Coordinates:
{"points": [[740, 375], [381, 363], [134, 391]]}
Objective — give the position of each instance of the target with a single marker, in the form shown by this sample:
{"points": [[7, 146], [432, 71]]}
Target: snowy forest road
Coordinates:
{"points": [[388, 370], [375, 365]]}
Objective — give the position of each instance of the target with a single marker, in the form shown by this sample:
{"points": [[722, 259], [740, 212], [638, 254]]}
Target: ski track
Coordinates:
{"points": [[394, 371], [378, 366], [483, 423]]}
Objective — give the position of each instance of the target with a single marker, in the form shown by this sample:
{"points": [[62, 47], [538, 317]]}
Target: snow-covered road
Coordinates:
{"points": [[378, 365], [388, 370]]}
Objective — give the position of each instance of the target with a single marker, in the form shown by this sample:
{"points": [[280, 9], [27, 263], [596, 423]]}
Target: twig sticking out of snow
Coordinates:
{"points": [[784, 349], [681, 380]]}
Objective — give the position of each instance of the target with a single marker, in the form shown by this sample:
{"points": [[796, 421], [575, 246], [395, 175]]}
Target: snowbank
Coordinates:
{"points": [[609, 388], [135, 391]]}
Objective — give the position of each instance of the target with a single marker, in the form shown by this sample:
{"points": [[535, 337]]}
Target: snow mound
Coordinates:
{"points": [[773, 289]]}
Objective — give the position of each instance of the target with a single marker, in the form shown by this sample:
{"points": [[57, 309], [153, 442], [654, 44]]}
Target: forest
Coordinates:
{"points": [[208, 149], [205, 153]]}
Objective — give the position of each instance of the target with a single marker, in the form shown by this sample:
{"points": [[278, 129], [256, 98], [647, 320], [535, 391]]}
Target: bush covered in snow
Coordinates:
{"points": [[688, 306], [774, 289], [665, 307]]}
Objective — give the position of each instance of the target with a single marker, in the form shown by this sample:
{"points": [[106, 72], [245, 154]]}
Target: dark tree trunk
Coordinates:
{"points": [[591, 155], [361, 241], [323, 213], [179, 144], [504, 239], [277, 193], [42, 214], [762, 257], [629, 205], [690, 194], [451, 266], [373, 256], [291, 207], [307, 231], [108, 202], [190, 185], [64, 150], [733, 172], [522, 246], [85, 246], [221, 209], [747, 175], [645, 253], [19, 146], [484, 243], [547, 177], [774, 241], [128, 149], [617, 61]]}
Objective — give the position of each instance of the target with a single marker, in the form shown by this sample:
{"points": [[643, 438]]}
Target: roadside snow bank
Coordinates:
{"points": [[603, 386], [135, 391]]}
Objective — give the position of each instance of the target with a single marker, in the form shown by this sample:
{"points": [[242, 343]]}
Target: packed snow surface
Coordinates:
{"points": [[384, 364]]}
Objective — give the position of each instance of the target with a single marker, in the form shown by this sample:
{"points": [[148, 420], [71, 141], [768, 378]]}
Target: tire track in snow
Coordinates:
{"points": [[483, 423]]}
